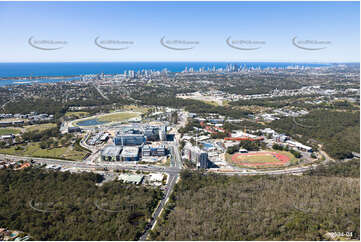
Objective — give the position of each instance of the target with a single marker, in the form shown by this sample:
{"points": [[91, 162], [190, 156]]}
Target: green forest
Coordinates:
{"points": [[64, 206], [190, 105], [24, 106], [342, 169], [339, 132], [216, 207]]}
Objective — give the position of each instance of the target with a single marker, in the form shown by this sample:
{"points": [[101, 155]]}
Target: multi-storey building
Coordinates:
{"points": [[196, 155], [129, 139]]}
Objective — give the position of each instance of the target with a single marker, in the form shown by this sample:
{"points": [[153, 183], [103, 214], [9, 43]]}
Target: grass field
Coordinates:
{"points": [[117, 117], [4, 131], [39, 127], [256, 159], [211, 102], [110, 117], [12, 119], [225, 102], [76, 114], [289, 155], [135, 108], [262, 159], [34, 150]]}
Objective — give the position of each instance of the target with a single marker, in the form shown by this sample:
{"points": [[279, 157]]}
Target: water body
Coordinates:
{"points": [[33, 81], [67, 69], [90, 122]]}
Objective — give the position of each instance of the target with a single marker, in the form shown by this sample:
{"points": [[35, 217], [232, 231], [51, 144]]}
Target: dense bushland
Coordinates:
{"points": [[65, 206], [216, 207]]}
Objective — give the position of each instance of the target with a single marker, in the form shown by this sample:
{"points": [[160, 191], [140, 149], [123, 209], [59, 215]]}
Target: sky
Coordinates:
{"points": [[191, 31]]}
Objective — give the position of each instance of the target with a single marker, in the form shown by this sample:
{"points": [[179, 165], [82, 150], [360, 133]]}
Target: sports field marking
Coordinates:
{"points": [[260, 159]]}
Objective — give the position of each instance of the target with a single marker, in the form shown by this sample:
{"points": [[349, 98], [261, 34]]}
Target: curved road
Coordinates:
{"points": [[172, 171]]}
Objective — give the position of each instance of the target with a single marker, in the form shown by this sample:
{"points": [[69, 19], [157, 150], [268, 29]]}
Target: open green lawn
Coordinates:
{"points": [[111, 117], [117, 117], [4, 131], [39, 127], [34, 150]]}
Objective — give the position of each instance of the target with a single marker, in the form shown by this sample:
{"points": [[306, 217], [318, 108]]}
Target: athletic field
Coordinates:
{"points": [[261, 159]]}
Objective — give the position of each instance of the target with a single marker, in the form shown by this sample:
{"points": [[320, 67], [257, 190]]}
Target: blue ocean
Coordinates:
{"points": [[10, 70]]}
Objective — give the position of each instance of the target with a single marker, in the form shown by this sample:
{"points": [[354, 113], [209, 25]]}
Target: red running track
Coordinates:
{"points": [[283, 159]]}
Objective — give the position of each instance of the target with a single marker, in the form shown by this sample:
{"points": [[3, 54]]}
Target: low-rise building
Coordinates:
{"points": [[5, 124], [281, 138], [156, 177], [7, 137], [74, 129], [104, 137], [98, 138], [111, 153], [16, 123], [299, 146], [130, 153], [148, 150], [241, 150], [131, 178], [269, 131]]}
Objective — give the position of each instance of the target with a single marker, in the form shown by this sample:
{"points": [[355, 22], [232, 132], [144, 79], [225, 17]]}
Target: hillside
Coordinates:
{"points": [[64, 206], [339, 132], [215, 207]]}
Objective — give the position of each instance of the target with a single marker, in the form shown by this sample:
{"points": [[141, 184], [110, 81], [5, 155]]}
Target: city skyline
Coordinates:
{"points": [[309, 32], [179, 121]]}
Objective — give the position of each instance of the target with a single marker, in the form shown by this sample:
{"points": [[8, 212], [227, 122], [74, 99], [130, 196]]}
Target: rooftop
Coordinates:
{"points": [[131, 178], [111, 150], [130, 151], [156, 177]]}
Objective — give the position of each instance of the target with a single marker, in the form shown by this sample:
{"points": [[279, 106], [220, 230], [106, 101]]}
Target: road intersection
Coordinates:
{"points": [[90, 164]]}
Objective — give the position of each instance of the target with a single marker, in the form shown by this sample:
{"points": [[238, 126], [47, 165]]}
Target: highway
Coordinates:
{"points": [[173, 171], [173, 174], [176, 157], [92, 166], [296, 170], [170, 185], [174, 148]]}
